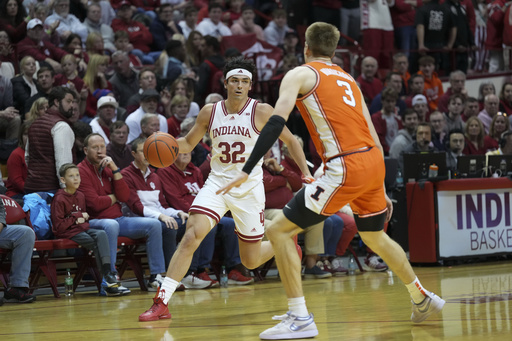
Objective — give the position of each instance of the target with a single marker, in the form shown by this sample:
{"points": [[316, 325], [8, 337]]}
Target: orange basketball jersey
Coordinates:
{"points": [[333, 112]]}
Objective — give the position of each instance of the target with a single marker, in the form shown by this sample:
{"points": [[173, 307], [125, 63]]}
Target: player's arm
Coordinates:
{"points": [[190, 141], [263, 113]]}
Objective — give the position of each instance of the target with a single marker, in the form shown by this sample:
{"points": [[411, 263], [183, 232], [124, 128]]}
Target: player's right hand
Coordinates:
{"points": [[236, 182]]}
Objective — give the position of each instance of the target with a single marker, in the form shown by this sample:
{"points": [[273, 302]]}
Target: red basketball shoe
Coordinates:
{"points": [[158, 310]]}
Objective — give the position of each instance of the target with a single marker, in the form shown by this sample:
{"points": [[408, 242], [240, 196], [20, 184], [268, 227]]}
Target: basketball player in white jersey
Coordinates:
{"points": [[234, 126]]}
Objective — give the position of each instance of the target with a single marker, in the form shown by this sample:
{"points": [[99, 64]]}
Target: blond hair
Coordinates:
{"points": [[322, 39]]}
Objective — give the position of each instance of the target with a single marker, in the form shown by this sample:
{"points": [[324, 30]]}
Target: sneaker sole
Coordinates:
{"points": [[163, 317], [232, 281], [290, 336], [435, 310], [310, 276], [197, 286], [369, 268]]}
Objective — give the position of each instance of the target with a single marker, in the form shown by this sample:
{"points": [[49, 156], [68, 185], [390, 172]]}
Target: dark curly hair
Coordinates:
{"points": [[20, 16], [240, 63]]}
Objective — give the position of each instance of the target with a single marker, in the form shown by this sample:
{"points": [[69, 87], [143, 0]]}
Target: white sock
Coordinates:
{"points": [[168, 288], [418, 293], [297, 306]]}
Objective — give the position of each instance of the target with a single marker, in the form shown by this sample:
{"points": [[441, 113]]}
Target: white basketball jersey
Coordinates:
{"points": [[233, 139]]}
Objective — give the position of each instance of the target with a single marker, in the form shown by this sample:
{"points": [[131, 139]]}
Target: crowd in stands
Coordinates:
{"points": [[83, 83]]}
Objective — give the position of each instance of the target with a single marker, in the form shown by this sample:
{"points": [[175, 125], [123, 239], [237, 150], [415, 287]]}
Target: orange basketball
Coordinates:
{"points": [[161, 149]]}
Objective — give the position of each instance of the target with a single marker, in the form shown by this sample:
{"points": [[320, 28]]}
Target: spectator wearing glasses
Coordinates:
{"points": [[68, 23], [117, 149], [457, 86]]}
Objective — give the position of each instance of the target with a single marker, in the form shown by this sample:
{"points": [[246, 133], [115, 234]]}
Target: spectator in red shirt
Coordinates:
{"points": [[494, 41], [369, 84], [17, 167]]}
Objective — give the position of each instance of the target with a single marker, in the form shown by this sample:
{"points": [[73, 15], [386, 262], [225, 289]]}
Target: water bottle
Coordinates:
{"points": [[69, 284], [399, 179], [503, 167], [351, 265], [223, 278]]}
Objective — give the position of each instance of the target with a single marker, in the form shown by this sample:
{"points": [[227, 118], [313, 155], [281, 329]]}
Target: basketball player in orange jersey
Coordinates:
{"points": [[234, 126], [338, 120]]}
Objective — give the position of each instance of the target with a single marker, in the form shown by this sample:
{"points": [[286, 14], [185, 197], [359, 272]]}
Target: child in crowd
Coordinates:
{"points": [[433, 88], [69, 220], [122, 43], [69, 76]]}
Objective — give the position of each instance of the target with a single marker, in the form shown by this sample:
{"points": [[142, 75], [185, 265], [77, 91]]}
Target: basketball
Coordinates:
{"points": [[161, 149]]}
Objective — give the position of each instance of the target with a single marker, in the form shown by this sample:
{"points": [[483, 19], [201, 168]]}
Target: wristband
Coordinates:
{"points": [[116, 171]]}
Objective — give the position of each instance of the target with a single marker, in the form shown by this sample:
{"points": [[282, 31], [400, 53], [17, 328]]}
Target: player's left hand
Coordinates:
{"points": [[236, 182], [389, 205]]}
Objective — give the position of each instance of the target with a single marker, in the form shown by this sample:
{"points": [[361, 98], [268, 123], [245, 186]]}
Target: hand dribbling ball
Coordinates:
{"points": [[161, 149]]}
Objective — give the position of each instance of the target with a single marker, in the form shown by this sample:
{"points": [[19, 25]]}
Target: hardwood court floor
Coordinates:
{"points": [[369, 306]]}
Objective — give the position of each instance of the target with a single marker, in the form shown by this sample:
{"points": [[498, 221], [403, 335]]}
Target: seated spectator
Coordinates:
{"points": [[174, 67], [148, 104], [405, 136], [125, 81], [420, 106], [41, 11], [188, 24], [368, 82], [393, 81], [147, 198], [440, 130], [246, 25], [491, 108], [233, 12], [194, 46], [456, 105], [184, 86], [117, 149], [457, 87], [181, 183], [401, 65], [107, 106], [433, 88], [147, 80], [94, 44], [505, 145], [212, 26], [149, 124], [17, 167], [499, 125], [180, 106], [10, 119], [70, 74], [485, 88], [292, 46], [81, 130], [73, 45], [387, 122], [20, 239], [68, 23], [13, 19], [95, 79], [50, 143], [477, 142], [506, 98], [8, 58], [104, 189], [139, 34], [415, 85], [422, 143], [94, 24], [69, 220], [210, 71], [276, 29], [45, 81], [42, 50], [455, 148], [471, 109], [37, 110], [162, 28], [122, 44]]}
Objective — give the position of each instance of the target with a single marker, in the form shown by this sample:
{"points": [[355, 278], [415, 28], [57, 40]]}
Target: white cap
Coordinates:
{"points": [[419, 99], [107, 100], [33, 23]]}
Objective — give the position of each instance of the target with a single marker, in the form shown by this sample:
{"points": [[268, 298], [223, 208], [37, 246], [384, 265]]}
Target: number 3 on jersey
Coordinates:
{"points": [[231, 153], [350, 100]]}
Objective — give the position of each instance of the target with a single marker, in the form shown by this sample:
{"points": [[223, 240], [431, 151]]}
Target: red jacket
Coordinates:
{"points": [[65, 210], [369, 89], [181, 187], [96, 191], [148, 189], [41, 51], [17, 170], [139, 34], [495, 22], [277, 192], [15, 33], [402, 14]]}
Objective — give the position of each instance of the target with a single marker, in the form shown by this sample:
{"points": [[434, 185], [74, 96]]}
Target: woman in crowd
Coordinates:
{"points": [[95, 79], [13, 19], [499, 125], [185, 86], [24, 85], [486, 88], [37, 110], [194, 47], [16, 166], [73, 45], [476, 140], [94, 44], [506, 98]]}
